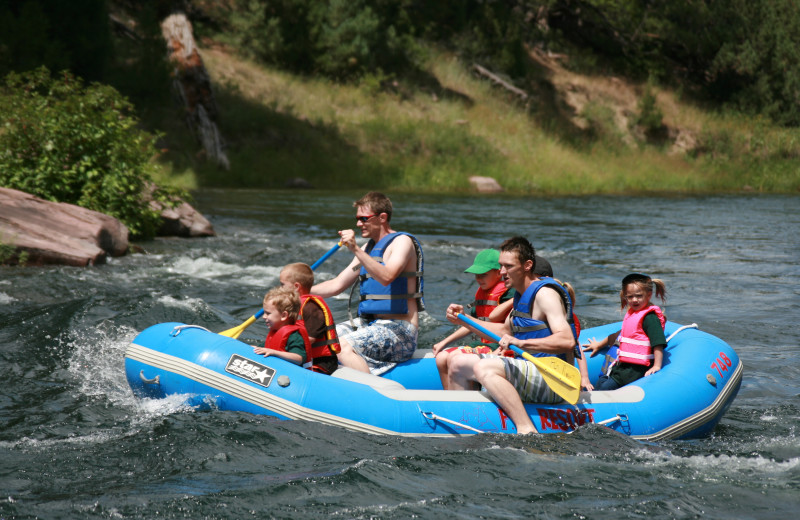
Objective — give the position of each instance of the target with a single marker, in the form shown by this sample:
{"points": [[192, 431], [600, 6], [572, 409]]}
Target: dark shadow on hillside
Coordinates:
{"points": [[271, 148], [415, 79], [550, 111]]}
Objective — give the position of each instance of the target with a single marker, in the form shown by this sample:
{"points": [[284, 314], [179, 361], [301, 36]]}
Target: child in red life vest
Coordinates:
{"points": [[641, 340], [315, 316], [285, 339], [491, 293]]}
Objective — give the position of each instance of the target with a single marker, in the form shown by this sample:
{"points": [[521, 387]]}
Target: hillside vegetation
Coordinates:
{"points": [[547, 96]]}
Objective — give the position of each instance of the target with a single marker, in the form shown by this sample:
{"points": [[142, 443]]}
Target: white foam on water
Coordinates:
{"points": [[191, 304], [4, 298], [713, 466], [209, 269]]}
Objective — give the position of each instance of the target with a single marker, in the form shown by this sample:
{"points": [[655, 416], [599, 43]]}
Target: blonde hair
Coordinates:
{"points": [[285, 299], [646, 283], [299, 273], [570, 290]]}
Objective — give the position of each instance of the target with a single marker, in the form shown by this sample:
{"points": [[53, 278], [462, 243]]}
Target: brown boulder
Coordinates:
{"points": [[58, 233], [485, 184], [183, 221]]}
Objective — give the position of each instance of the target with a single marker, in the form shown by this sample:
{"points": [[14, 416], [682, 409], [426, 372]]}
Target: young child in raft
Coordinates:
{"points": [[491, 292], [641, 340], [285, 339], [316, 316]]}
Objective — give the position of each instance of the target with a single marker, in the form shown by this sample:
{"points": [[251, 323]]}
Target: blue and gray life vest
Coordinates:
{"points": [[393, 298], [523, 326]]}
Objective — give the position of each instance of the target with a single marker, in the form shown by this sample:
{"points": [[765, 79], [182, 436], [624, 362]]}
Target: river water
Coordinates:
{"points": [[74, 443]]}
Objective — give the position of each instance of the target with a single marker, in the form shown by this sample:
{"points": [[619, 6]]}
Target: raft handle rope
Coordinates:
{"points": [[155, 381], [692, 326], [622, 418], [433, 417], [178, 329]]}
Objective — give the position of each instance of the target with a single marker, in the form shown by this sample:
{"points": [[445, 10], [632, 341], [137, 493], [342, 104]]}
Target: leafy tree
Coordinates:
{"points": [[758, 65], [65, 141], [72, 35]]}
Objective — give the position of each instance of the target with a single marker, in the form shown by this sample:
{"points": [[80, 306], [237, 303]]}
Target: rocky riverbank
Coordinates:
{"points": [[35, 231]]}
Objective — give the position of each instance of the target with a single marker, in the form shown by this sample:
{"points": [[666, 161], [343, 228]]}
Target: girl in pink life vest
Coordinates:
{"points": [[491, 292], [641, 340], [286, 339]]}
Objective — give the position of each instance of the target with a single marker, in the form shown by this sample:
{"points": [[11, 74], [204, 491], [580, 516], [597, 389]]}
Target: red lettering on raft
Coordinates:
{"points": [[564, 420]]}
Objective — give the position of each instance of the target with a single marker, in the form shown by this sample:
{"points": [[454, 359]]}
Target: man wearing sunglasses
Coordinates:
{"points": [[389, 271]]}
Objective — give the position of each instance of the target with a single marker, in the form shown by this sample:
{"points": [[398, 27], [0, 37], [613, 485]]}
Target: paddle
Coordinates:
{"points": [[562, 378], [235, 332]]}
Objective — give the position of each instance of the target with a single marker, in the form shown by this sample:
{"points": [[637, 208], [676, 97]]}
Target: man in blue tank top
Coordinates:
{"points": [[512, 381], [389, 271]]}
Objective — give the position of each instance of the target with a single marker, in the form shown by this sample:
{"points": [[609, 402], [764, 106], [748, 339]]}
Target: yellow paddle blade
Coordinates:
{"points": [[237, 330], [562, 378]]}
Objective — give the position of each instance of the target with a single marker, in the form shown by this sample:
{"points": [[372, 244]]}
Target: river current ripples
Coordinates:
{"points": [[75, 443]]}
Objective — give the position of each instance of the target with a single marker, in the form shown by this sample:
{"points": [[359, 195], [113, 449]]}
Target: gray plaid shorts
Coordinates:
{"points": [[382, 343], [527, 381]]}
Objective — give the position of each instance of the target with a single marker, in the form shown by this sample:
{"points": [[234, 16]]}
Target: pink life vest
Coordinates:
{"points": [[634, 345]]}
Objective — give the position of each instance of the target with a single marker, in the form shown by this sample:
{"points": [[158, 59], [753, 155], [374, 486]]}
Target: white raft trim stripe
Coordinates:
{"points": [[242, 390], [695, 421]]}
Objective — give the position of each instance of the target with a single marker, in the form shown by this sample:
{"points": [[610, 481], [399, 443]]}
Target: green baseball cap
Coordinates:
{"points": [[485, 261]]}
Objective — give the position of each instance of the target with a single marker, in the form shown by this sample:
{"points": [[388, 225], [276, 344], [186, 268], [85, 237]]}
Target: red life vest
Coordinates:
{"points": [[577, 323], [276, 340], [328, 344], [486, 301], [634, 345]]}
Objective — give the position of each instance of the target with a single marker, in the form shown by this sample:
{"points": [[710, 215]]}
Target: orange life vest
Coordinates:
{"points": [[486, 301], [328, 344]]}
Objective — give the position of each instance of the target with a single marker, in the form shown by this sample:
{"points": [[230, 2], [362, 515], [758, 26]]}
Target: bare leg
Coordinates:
{"points": [[461, 372], [442, 359], [350, 358], [491, 373]]}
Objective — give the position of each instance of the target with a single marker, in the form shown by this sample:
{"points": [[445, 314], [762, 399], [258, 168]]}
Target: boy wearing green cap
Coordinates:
{"points": [[491, 292]]}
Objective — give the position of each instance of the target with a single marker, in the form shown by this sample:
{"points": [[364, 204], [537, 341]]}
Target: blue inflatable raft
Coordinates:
{"points": [[701, 376]]}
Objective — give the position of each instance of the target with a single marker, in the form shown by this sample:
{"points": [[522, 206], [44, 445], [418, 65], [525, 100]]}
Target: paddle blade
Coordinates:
{"points": [[237, 330], [562, 378]]}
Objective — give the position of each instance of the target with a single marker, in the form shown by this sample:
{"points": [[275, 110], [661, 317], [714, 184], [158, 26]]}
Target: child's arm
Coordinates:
{"points": [[501, 311], [459, 333], [297, 359], [658, 357], [655, 333], [594, 345], [584, 368]]}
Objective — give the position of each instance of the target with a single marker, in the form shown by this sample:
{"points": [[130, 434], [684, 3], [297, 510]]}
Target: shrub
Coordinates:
{"points": [[64, 141]]}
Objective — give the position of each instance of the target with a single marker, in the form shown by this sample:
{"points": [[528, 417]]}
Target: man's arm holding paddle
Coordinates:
{"points": [[395, 257], [454, 309], [547, 308]]}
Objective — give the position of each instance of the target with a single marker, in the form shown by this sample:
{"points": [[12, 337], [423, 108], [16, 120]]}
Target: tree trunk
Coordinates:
{"points": [[193, 86]]}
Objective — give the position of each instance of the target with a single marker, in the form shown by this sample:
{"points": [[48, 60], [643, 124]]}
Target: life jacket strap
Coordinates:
{"points": [[515, 329], [390, 296], [632, 341]]}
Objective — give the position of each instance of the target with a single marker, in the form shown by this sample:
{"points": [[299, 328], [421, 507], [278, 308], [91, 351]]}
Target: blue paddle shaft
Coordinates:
{"points": [[313, 267], [475, 324], [325, 256]]}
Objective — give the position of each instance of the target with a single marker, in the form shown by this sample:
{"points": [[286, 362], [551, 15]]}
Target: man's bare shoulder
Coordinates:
{"points": [[402, 243]]}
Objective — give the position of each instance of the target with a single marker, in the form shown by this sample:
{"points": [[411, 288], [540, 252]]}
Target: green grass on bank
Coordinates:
{"points": [[279, 126]]}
